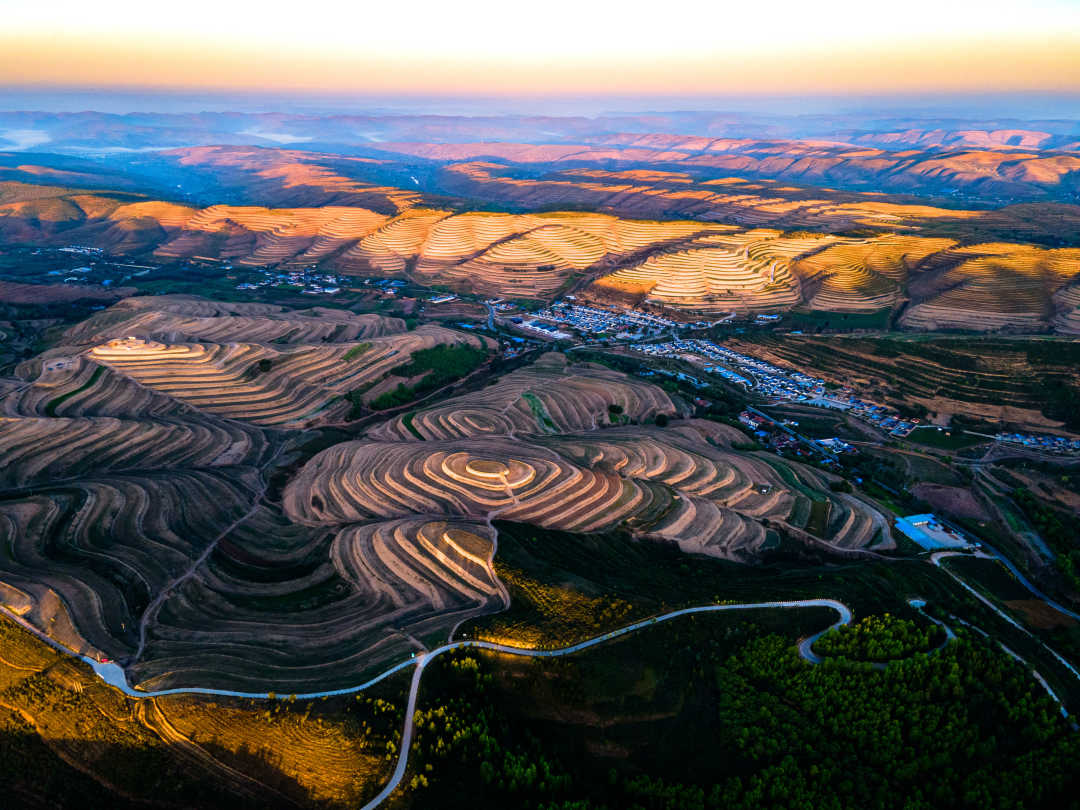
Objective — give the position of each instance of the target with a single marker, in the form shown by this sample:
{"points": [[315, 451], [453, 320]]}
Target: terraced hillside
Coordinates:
{"points": [[993, 286], [309, 608], [711, 274], [132, 522], [258, 363], [865, 275], [177, 318], [685, 485], [507, 478], [685, 265], [137, 521], [100, 512], [257, 383], [1023, 381], [548, 396], [983, 287]]}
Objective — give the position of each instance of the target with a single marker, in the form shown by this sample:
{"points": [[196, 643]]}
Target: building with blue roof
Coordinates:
{"points": [[931, 533]]}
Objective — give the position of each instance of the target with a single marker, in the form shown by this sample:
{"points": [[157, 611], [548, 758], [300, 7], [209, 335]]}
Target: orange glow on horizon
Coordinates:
{"points": [[554, 47]]}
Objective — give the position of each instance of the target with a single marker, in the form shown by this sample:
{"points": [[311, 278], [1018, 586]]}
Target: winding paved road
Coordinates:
{"points": [[114, 675], [936, 559], [1027, 583]]}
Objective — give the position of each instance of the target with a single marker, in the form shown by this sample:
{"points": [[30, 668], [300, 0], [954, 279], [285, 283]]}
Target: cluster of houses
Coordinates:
{"points": [[1041, 441], [310, 283], [882, 417], [549, 330], [628, 323], [781, 437], [682, 376], [777, 383], [741, 369]]}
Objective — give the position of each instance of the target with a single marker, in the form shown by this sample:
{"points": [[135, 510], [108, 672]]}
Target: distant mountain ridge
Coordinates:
{"points": [[690, 265]]}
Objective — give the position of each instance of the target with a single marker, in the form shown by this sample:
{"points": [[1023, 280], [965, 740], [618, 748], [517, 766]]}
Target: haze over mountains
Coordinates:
{"points": [[953, 223], [982, 162]]}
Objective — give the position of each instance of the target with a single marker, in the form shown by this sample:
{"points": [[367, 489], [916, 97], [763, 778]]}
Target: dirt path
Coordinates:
{"points": [[152, 609]]}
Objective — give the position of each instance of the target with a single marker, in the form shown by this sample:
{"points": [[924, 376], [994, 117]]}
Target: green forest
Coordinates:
{"points": [[879, 638], [752, 725]]}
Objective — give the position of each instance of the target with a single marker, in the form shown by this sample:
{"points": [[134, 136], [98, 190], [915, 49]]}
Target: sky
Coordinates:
{"points": [[547, 47]]}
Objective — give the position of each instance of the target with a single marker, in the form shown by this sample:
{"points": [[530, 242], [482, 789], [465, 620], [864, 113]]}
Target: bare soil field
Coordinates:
{"points": [[1040, 615], [951, 500]]}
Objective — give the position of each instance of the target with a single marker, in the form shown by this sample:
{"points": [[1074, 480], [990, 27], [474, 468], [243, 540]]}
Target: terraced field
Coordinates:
{"points": [[83, 559], [747, 270], [134, 470], [864, 276], [257, 383], [182, 318], [694, 266], [547, 397], [985, 287], [993, 286], [1024, 381], [506, 478], [159, 357], [137, 521], [42, 450], [529, 449], [301, 607]]}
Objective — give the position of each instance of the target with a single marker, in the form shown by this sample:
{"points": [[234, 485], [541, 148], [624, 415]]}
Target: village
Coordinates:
{"points": [[309, 282], [777, 384]]}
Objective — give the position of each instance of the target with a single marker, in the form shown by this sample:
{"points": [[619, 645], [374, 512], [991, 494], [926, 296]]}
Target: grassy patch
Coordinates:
{"points": [[355, 351], [818, 522], [994, 577], [436, 367], [539, 412], [819, 320], [56, 402], [407, 420], [944, 439]]}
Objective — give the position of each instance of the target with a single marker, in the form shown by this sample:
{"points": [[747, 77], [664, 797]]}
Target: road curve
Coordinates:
{"points": [[937, 557], [1060, 608], [114, 675], [425, 659]]}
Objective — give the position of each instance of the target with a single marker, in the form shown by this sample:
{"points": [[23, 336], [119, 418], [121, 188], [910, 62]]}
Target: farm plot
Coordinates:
{"points": [[288, 388], [286, 606], [548, 396]]}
